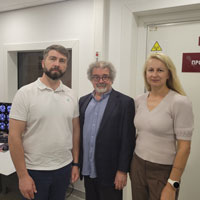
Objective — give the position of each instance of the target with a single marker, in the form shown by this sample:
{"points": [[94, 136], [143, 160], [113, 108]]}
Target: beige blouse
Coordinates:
{"points": [[158, 129]]}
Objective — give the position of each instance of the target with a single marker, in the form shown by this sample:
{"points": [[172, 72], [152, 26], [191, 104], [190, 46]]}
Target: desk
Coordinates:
{"points": [[6, 164], [6, 168]]}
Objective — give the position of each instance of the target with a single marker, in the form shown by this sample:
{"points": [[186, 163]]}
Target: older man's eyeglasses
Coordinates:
{"points": [[98, 78]]}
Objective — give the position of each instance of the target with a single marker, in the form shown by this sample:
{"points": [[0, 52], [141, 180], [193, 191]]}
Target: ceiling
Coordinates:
{"points": [[7, 5]]}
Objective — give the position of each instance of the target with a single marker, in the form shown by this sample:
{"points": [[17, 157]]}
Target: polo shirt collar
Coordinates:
{"points": [[42, 86]]}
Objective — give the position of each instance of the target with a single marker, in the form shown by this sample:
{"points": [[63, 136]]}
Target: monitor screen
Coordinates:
{"points": [[4, 116]]}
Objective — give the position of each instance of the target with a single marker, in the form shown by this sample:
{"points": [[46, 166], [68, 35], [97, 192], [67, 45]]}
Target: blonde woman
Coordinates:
{"points": [[164, 123]]}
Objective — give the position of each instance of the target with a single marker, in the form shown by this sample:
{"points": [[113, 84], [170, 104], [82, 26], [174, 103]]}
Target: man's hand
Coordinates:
{"points": [[27, 187], [120, 180], [168, 193], [75, 174]]}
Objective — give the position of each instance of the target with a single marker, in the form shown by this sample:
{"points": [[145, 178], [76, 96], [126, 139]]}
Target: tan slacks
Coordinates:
{"points": [[148, 179]]}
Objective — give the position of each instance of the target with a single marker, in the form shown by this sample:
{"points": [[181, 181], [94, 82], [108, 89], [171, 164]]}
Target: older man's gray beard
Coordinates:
{"points": [[101, 90]]}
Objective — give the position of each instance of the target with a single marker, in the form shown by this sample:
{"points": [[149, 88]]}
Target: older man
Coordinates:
{"points": [[107, 135]]}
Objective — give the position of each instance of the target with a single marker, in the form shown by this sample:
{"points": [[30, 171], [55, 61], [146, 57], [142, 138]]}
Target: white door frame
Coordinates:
{"points": [[134, 40], [133, 36], [158, 19]]}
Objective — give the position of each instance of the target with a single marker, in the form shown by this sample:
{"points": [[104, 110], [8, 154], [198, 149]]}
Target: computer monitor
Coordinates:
{"points": [[4, 116]]}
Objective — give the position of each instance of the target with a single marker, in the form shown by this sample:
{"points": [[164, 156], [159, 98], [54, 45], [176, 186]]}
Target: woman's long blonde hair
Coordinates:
{"points": [[173, 82]]}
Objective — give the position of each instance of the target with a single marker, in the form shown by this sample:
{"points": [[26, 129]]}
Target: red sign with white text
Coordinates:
{"points": [[191, 62]]}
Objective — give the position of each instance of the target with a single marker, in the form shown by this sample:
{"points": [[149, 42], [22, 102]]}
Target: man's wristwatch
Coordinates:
{"points": [[174, 184], [75, 164]]}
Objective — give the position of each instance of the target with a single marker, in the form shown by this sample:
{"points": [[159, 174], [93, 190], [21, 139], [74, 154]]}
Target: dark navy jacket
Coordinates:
{"points": [[115, 140]]}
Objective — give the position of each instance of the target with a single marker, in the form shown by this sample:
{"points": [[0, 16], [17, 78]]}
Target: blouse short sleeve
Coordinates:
{"points": [[183, 118]]}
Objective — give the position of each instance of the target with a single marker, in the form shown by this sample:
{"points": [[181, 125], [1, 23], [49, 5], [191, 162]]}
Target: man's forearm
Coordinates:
{"points": [[17, 155], [75, 150], [76, 140]]}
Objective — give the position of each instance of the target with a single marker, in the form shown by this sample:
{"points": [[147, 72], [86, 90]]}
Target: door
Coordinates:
{"points": [[174, 40]]}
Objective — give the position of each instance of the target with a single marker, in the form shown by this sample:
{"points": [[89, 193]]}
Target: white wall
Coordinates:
{"points": [[55, 22], [122, 36], [128, 28], [127, 38], [61, 21], [137, 6]]}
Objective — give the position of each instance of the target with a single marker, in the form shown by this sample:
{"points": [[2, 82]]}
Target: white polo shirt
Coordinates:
{"points": [[48, 113]]}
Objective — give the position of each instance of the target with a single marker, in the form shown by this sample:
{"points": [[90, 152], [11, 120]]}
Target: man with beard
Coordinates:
{"points": [[107, 135], [44, 131]]}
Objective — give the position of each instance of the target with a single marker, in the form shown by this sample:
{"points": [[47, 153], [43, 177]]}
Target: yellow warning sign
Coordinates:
{"points": [[156, 47]]}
